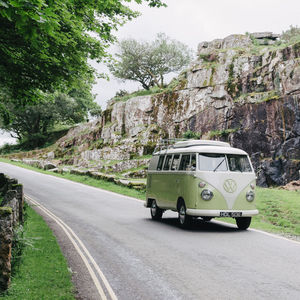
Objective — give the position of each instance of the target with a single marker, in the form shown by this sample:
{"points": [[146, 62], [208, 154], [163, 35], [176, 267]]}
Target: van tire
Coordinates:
{"points": [[156, 212], [184, 220], [243, 223]]}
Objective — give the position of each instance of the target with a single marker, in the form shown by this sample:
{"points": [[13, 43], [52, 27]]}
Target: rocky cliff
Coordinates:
{"points": [[244, 89]]}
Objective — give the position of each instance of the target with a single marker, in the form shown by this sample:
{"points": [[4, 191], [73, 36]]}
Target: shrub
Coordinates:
{"points": [[192, 135], [291, 35]]}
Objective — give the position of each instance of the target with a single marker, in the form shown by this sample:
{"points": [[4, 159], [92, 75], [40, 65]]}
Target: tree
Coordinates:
{"points": [[45, 45], [147, 62], [33, 121]]}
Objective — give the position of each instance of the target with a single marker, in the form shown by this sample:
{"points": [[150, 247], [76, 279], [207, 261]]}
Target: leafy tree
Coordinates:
{"points": [[44, 50], [45, 45], [147, 62]]}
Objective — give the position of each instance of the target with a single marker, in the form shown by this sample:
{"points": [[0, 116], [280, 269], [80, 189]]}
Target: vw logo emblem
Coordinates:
{"points": [[229, 186]]}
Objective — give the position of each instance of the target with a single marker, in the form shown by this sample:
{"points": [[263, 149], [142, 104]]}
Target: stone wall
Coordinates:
{"points": [[11, 214]]}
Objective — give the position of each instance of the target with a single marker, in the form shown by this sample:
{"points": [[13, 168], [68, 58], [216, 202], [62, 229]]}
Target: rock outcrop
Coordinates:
{"points": [[244, 89]]}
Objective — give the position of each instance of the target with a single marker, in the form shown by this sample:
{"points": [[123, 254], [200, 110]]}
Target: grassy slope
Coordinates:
{"points": [[279, 211], [43, 272]]}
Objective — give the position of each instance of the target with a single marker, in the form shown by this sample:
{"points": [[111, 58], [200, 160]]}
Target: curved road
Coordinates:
{"points": [[144, 259]]}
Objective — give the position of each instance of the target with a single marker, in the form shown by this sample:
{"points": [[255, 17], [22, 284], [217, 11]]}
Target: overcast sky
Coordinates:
{"points": [[194, 21]]}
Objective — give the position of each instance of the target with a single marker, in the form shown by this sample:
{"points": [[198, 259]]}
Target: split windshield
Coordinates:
{"points": [[221, 162]]}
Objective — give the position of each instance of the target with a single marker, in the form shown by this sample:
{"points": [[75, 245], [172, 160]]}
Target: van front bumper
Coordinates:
{"points": [[217, 213]]}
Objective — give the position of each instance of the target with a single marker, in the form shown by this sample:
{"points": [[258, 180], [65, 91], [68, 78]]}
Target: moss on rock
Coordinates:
{"points": [[4, 211]]}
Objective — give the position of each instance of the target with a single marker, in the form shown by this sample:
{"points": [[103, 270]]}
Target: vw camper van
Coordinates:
{"points": [[199, 178]]}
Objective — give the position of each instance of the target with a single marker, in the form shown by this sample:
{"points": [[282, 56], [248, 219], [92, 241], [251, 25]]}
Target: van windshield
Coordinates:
{"points": [[212, 162], [239, 163], [218, 163]]}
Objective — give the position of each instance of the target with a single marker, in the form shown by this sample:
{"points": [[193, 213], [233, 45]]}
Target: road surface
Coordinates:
{"points": [[144, 259]]}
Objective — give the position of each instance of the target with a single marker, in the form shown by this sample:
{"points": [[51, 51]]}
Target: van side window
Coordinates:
{"points": [[167, 162], [185, 161], [160, 162], [175, 162]]}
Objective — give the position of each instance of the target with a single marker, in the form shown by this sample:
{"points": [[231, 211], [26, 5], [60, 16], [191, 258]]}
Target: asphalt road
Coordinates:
{"points": [[144, 259]]}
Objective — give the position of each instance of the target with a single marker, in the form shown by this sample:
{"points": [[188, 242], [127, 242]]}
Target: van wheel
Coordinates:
{"points": [[184, 219], [243, 223], [156, 212]]}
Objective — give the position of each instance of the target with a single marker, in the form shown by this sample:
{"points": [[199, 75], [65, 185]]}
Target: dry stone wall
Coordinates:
{"points": [[11, 214]]}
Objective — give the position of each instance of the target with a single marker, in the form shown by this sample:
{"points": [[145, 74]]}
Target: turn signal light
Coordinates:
{"points": [[202, 184]]}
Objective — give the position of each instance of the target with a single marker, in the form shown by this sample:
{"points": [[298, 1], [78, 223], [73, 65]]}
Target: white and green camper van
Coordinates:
{"points": [[199, 178]]}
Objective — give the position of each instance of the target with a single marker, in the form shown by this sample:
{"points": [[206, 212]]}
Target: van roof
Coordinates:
{"points": [[190, 143], [203, 149]]}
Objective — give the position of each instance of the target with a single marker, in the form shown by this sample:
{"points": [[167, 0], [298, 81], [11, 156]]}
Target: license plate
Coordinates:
{"points": [[230, 214]]}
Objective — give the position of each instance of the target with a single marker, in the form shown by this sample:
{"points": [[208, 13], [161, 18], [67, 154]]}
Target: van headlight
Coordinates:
{"points": [[206, 194], [250, 196]]}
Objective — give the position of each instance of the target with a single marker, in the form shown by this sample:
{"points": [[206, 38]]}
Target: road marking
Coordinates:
{"points": [[275, 236], [262, 232], [69, 232]]}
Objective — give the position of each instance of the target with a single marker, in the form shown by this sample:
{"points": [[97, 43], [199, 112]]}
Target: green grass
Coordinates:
{"points": [[43, 272], [279, 209], [151, 91]]}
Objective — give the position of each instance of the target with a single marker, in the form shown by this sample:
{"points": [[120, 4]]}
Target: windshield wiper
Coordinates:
{"points": [[219, 165]]}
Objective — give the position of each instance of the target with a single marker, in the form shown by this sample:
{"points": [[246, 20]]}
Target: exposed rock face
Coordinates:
{"points": [[236, 90]]}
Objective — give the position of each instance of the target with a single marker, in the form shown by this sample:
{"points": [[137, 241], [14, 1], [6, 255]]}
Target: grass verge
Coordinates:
{"points": [[279, 209], [42, 272]]}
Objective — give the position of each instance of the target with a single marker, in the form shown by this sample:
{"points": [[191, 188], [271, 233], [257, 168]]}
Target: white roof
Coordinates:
{"points": [[190, 143], [202, 146]]}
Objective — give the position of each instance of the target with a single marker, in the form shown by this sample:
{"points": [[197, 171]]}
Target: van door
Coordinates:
{"points": [[181, 181], [174, 182], [165, 183], [157, 181]]}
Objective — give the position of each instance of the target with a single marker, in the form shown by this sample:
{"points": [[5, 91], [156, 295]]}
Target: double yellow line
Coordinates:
{"points": [[85, 255]]}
